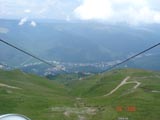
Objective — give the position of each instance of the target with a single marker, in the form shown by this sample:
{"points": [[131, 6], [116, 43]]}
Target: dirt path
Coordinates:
{"points": [[155, 91], [123, 83], [8, 86]]}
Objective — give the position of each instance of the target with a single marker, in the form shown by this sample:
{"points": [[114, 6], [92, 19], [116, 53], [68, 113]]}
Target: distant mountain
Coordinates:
{"points": [[85, 42]]}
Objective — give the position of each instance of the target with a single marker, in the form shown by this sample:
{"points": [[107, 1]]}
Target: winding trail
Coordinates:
{"points": [[123, 83], [8, 86]]}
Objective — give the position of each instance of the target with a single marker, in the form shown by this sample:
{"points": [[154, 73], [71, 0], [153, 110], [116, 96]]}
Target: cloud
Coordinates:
{"points": [[127, 11], [22, 21], [37, 9], [112, 11], [68, 18], [94, 9], [27, 11], [33, 24]]}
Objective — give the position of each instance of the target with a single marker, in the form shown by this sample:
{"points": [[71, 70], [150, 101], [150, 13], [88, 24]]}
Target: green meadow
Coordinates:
{"points": [[68, 97]]}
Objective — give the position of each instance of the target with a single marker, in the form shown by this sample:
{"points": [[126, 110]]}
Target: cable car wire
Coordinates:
{"points": [[110, 68], [128, 59], [27, 53]]}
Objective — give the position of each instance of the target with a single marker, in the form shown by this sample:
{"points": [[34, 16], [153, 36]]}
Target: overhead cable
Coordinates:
{"points": [[27, 53], [128, 59]]}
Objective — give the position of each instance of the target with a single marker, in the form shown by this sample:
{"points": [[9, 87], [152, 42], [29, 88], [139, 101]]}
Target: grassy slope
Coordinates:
{"points": [[37, 95], [146, 102], [35, 98]]}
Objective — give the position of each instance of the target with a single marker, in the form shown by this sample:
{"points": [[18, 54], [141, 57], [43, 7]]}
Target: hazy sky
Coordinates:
{"points": [[126, 11]]}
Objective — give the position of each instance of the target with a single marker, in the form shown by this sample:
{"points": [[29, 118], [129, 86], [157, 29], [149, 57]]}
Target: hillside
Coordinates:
{"points": [[95, 97], [124, 88], [31, 95], [77, 46], [75, 41]]}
